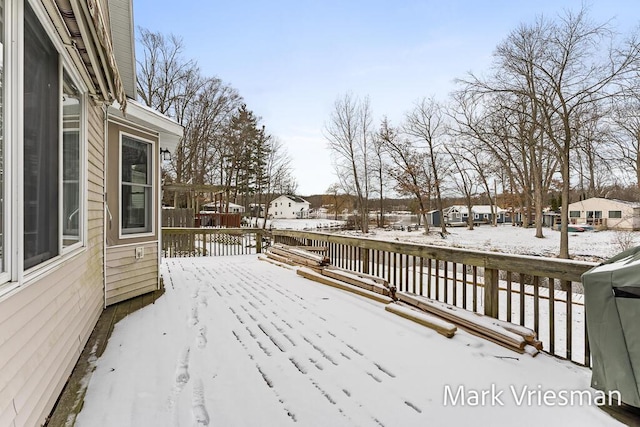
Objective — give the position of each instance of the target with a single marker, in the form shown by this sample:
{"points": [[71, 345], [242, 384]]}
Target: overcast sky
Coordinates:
{"points": [[291, 59]]}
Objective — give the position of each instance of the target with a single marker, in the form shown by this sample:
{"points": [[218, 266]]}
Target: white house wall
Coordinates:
{"points": [[280, 209], [630, 216], [45, 323]]}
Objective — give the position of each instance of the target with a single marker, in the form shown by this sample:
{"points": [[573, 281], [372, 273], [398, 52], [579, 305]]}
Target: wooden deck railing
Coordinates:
{"points": [[544, 294], [189, 242]]}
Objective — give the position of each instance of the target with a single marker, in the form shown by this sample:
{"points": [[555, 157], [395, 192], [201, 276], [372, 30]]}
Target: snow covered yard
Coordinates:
{"points": [[235, 341], [591, 245]]}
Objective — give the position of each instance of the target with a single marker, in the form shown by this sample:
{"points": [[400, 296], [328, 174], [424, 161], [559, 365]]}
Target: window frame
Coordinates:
{"points": [[11, 130], [83, 169], [151, 175], [14, 274], [619, 212]]}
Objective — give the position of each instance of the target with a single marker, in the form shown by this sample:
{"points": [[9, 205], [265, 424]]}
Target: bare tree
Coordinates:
{"points": [[464, 177], [336, 198], [348, 133], [204, 106], [426, 125], [278, 174], [378, 168], [558, 69], [408, 168], [162, 71], [626, 135]]}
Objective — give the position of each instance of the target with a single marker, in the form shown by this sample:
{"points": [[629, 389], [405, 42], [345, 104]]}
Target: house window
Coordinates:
{"points": [[41, 133], [48, 148], [71, 165], [574, 214], [615, 214], [136, 185]]}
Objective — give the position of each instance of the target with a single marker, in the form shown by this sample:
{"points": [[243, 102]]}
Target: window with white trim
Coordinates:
{"points": [[136, 185], [42, 139], [41, 133], [72, 214]]}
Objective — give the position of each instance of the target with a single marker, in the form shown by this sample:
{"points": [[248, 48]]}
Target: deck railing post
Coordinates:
{"points": [[365, 260], [491, 292], [259, 242]]}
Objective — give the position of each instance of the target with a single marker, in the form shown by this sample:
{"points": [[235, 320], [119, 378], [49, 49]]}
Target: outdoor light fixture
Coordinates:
{"points": [[165, 154]]}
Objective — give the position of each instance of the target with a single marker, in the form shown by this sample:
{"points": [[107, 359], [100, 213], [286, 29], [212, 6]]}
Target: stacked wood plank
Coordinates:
{"points": [[441, 317], [295, 256], [319, 278], [317, 249], [440, 326], [517, 338], [362, 280]]}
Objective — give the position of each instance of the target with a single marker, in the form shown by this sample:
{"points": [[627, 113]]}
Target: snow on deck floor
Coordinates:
{"points": [[240, 342]]}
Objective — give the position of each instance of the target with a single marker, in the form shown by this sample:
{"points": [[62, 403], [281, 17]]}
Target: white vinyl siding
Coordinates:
{"points": [[127, 276], [34, 366]]}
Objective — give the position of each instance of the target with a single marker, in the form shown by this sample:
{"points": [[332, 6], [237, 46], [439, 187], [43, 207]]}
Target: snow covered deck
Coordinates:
{"points": [[235, 341]]}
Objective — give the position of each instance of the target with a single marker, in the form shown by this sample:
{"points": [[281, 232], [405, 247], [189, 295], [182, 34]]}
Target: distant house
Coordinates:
{"points": [[215, 207], [433, 218], [289, 207], [609, 213], [256, 209], [458, 215], [321, 213]]}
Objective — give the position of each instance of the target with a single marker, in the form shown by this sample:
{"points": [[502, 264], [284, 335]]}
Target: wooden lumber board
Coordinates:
{"points": [[531, 350], [279, 258], [493, 340], [440, 326], [322, 249], [296, 259], [318, 277], [379, 280], [528, 334], [356, 281], [296, 256], [320, 259], [476, 323]]}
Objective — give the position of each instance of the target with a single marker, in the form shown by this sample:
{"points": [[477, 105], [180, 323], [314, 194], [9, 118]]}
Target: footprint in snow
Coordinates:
{"points": [[200, 414], [193, 317], [203, 300], [182, 371], [201, 339], [181, 377]]}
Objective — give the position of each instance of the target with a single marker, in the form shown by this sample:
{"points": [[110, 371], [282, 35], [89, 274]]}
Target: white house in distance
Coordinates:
{"points": [[609, 213], [289, 207], [215, 207], [459, 214]]}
